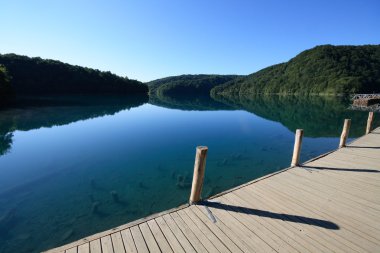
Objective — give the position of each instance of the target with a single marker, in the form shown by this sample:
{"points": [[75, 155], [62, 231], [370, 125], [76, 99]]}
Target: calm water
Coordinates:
{"points": [[68, 171]]}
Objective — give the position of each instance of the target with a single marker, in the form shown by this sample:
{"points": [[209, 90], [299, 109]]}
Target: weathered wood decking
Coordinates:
{"points": [[330, 204]]}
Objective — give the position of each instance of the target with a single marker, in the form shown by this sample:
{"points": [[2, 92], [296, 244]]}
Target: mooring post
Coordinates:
{"points": [[199, 173], [346, 130], [369, 123], [297, 147]]}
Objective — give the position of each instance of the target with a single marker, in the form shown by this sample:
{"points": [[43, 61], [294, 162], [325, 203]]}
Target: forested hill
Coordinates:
{"points": [[187, 85], [36, 76], [321, 70], [5, 86]]}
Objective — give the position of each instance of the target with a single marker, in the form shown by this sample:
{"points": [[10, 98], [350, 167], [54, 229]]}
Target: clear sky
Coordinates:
{"points": [[146, 40]]}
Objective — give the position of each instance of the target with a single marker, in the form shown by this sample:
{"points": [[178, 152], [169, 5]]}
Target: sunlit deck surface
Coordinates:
{"points": [[330, 204]]}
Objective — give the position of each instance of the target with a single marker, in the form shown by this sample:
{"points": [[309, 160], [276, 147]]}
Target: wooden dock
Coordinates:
{"points": [[329, 204]]}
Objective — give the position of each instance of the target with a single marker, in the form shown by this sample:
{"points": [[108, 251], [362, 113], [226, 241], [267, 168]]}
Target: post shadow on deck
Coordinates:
{"points": [[279, 216], [199, 170], [340, 169], [353, 147], [197, 185]]}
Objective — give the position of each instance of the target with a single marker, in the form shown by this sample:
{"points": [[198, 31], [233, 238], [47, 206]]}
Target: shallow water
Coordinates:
{"points": [[70, 171]]}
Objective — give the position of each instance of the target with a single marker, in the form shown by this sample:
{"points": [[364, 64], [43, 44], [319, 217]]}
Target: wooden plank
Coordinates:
{"points": [[95, 246], [343, 156], [255, 226], [291, 224], [185, 243], [197, 245], [340, 202], [149, 238], [341, 160], [192, 212], [84, 248], [159, 236], [359, 179], [342, 234], [128, 242], [370, 200], [116, 229], [290, 233], [212, 243], [106, 244], [356, 154], [332, 210], [72, 250], [174, 244], [236, 236], [347, 172], [254, 241], [292, 245], [318, 236], [139, 240], [342, 185], [117, 243]]}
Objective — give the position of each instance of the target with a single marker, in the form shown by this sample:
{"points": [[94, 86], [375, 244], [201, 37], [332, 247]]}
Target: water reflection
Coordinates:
{"points": [[190, 103], [34, 113], [318, 116], [83, 166]]}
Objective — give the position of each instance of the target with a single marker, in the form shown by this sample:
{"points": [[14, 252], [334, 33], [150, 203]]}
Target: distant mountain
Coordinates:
{"points": [[36, 76], [187, 85], [321, 70]]}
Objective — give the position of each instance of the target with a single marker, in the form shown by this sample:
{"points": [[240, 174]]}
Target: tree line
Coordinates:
{"points": [[22, 75]]}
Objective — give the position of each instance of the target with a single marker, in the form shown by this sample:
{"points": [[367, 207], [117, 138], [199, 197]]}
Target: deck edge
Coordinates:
{"points": [[155, 215]]}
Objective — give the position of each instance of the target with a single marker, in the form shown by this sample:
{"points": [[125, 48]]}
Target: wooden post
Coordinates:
{"points": [[297, 147], [346, 129], [199, 172], [369, 123]]}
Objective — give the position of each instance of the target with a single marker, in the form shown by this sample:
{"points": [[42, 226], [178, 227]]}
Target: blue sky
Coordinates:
{"points": [[146, 40]]}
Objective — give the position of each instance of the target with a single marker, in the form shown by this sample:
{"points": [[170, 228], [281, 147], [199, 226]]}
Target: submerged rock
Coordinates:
{"points": [[95, 207], [222, 163], [67, 234], [92, 199], [183, 182], [142, 185], [115, 196], [7, 221], [23, 237], [160, 168], [237, 156]]}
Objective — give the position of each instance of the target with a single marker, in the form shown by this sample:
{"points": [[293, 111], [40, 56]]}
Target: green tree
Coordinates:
{"points": [[322, 70], [5, 86]]}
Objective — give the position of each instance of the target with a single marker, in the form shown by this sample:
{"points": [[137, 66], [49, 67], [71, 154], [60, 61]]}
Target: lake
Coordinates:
{"points": [[75, 168]]}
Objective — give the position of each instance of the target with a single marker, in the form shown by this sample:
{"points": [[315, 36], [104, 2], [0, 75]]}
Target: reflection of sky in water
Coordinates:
{"points": [[57, 182]]}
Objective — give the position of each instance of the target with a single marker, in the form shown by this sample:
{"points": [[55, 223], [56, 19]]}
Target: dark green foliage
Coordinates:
{"points": [[187, 85], [319, 116], [188, 103], [321, 70], [36, 76], [5, 86], [186, 92]]}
